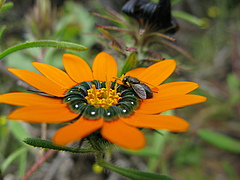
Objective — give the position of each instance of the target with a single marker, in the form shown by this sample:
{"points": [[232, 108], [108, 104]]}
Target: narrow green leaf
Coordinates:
{"points": [[220, 140], [130, 63], [159, 140], [22, 164], [6, 6], [44, 43], [133, 174], [234, 88], [158, 143], [146, 152], [40, 143], [12, 157], [2, 30], [1, 3], [18, 130], [228, 168], [188, 17]]}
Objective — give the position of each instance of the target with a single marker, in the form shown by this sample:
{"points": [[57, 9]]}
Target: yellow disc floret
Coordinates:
{"points": [[103, 97]]}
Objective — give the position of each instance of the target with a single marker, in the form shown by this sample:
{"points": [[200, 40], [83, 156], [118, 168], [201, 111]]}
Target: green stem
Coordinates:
{"points": [[99, 157]]}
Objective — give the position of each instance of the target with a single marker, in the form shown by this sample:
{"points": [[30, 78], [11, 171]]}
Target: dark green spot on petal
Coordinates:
{"points": [[92, 113], [111, 113]]}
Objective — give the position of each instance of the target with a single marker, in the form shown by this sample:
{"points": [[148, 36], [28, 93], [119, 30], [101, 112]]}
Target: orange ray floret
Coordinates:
{"points": [[175, 88], [43, 114], [123, 135], [135, 72], [40, 82], [56, 75], [158, 72], [27, 99], [77, 130], [104, 67], [167, 122], [77, 68], [161, 104]]}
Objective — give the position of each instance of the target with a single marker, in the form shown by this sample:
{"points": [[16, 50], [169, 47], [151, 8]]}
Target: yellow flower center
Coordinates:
{"points": [[103, 97]]}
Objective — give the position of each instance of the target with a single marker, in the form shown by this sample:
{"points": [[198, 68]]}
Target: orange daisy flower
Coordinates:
{"points": [[93, 102]]}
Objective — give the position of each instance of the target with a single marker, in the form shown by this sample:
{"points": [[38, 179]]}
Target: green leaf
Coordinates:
{"points": [[49, 145], [234, 89], [188, 17], [2, 30], [220, 140], [22, 164], [228, 168], [130, 63], [44, 43], [133, 174], [158, 144], [12, 157], [146, 152], [6, 6], [18, 130]]}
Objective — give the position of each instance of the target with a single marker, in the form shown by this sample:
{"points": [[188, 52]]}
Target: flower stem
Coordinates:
{"points": [[43, 135], [99, 157], [39, 162]]}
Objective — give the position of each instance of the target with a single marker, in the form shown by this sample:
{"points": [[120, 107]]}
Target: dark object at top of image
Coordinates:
{"points": [[152, 16]]}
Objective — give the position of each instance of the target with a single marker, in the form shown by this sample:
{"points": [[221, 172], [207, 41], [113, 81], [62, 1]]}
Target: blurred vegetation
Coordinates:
{"points": [[208, 151]]}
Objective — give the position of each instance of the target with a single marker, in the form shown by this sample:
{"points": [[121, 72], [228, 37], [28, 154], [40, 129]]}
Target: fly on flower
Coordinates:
{"points": [[141, 89], [95, 106], [152, 16]]}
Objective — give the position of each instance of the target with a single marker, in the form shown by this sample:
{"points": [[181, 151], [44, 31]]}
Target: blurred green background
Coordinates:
{"points": [[209, 150]]}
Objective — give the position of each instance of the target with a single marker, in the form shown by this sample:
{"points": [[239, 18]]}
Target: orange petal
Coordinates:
{"points": [[40, 82], [175, 88], [104, 67], [27, 99], [76, 131], [77, 68], [123, 135], [132, 73], [158, 72], [56, 75], [43, 114], [167, 122], [135, 72], [161, 104]]}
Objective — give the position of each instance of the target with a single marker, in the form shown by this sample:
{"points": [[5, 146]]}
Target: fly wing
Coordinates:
{"points": [[148, 91], [139, 90]]}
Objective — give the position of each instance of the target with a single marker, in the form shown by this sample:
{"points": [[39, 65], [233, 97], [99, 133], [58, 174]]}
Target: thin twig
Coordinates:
{"points": [[39, 162]]}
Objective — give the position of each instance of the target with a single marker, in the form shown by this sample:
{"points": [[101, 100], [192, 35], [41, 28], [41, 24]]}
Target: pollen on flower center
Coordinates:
{"points": [[103, 97]]}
